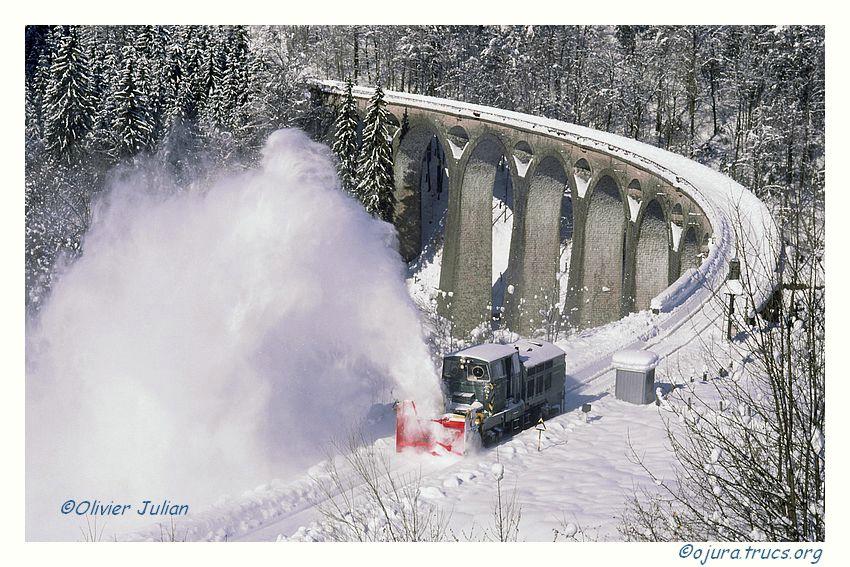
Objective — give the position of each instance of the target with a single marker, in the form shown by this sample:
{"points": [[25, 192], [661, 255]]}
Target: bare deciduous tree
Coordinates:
{"points": [[749, 459], [507, 512], [366, 500]]}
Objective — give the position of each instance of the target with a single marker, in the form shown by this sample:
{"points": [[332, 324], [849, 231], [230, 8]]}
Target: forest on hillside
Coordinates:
{"points": [[192, 100]]}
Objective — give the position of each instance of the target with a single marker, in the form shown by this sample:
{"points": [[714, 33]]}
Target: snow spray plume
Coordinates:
{"points": [[214, 338]]}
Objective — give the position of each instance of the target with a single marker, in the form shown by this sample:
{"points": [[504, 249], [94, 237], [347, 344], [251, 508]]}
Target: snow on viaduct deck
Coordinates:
{"points": [[651, 229]]}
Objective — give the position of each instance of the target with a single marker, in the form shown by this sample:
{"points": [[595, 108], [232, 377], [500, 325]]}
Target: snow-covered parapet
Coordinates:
{"points": [[688, 284], [740, 222]]}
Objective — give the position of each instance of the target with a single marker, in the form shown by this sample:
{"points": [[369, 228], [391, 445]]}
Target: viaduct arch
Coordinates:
{"points": [[630, 233]]}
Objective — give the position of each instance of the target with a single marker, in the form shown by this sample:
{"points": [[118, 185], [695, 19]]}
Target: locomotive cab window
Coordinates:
{"points": [[452, 369], [457, 368], [497, 369]]}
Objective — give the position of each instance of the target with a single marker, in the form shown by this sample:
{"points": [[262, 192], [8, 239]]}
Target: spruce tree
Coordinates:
{"points": [[237, 79], [151, 44], [40, 50], [69, 103], [172, 82], [240, 86], [345, 140], [375, 167], [185, 72], [132, 122], [102, 144], [212, 79]]}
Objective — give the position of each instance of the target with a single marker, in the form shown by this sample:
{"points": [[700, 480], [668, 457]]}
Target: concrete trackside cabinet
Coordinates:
{"points": [[635, 375]]}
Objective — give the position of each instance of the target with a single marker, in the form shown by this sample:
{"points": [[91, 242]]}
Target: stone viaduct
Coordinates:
{"points": [[633, 233]]}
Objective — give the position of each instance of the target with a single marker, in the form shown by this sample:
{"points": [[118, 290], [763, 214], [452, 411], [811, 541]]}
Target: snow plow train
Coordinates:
{"points": [[490, 390]]}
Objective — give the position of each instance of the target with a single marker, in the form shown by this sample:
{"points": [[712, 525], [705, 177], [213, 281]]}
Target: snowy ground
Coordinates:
{"points": [[581, 478], [583, 474]]}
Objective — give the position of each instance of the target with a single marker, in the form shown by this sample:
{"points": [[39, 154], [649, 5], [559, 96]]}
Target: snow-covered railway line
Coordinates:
{"points": [[684, 333], [406, 469], [435, 474], [431, 470], [306, 512], [268, 512]]}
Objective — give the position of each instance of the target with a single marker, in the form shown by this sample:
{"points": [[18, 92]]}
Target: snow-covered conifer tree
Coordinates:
{"points": [[345, 140], [191, 93], [151, 45], [172, 81], [105, 58], [375, 166], [41, 46], [69, 103], [132, 122], [213, 83], [237, 76]]}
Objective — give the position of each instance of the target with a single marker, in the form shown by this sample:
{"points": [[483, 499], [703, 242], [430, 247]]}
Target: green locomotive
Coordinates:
{"points": [[504, 388]]}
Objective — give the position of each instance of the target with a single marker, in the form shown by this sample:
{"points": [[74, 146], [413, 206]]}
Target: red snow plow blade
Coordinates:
{"points": [[436, 436]]}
